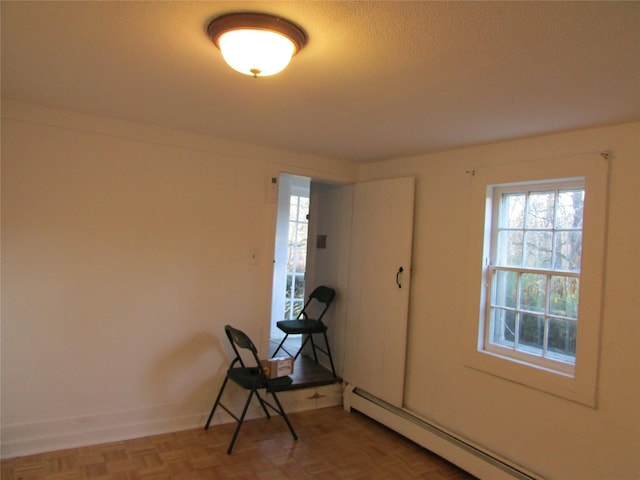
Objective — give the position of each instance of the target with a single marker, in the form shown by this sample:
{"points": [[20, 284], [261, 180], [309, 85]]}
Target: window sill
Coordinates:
{"points": [[556, 383], [530, 359]]}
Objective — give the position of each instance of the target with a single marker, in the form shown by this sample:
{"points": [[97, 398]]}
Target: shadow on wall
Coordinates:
{"points": [[187, 377]]}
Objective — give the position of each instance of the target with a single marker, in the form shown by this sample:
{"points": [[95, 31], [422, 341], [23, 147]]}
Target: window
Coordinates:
{"points": [[534, 273], [290, 250], [537, 237], [296, 256]]}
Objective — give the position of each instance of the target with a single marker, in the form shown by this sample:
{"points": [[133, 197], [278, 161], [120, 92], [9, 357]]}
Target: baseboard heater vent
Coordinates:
{"points": [[472, 458]]}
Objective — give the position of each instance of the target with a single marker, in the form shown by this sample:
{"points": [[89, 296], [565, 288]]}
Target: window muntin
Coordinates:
{"points": [[533, 274]]}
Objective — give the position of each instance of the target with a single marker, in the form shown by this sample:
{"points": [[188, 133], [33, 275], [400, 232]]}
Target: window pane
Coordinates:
{"points": [[304, 209], [292, 233], [538, 249], [570, 209], [289, 285], [531, 333], [505, 288], [562, 337], [564, 294], [512, 210], [510, 248], [293, 207], [568, 251], [300, 261], [533, 292], [301, 239], [503, 325], [299, 289], [540, 210], [297, 308], [290, 260]]}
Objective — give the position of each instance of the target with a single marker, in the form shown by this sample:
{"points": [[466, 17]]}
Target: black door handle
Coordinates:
{"points": [[400, 270]]}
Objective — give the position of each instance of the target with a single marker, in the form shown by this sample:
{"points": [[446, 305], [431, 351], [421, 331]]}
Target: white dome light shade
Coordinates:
{"points": [[256, 44], [256, 52]]}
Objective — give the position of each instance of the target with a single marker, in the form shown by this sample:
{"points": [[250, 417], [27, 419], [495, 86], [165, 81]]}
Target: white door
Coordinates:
{"points": [[379, 283]]}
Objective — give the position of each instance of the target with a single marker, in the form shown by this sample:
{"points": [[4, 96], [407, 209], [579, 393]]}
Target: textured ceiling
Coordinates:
{"points": [[377, 79]]}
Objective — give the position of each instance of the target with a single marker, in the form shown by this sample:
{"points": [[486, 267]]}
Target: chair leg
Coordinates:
{"points": [[304, 342], [240, 421], [326, 340], [262, 404], [215, 405], [315, 355], [284, 415], [313, 347], [280, 346]]}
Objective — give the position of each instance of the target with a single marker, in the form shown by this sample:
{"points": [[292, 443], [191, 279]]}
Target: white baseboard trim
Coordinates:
{"points": [[459, 451], [29, 438]]}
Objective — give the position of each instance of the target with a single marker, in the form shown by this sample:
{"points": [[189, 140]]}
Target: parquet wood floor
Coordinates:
{"points": [[332, 444]]}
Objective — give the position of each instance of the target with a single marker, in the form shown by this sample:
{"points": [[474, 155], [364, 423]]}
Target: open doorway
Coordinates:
{"points": [[311, 248], [292, 232]]}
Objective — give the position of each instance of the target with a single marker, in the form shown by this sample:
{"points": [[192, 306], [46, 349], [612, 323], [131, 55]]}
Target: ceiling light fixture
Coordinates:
{"points": [[256, 44]]}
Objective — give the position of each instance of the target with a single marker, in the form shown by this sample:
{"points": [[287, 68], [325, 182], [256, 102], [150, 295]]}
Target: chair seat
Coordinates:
{"points": [[247, 378], [301, 326]]}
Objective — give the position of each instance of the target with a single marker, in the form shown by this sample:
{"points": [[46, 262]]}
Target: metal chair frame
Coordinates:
{"points": [[249, 378], [304, 325]]}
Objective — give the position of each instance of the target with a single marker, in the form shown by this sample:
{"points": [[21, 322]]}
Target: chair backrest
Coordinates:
{"points": [[323, 295], [239, 339]]}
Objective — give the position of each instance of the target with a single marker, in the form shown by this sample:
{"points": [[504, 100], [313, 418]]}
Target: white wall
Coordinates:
{"points": [[125, 250], [555, 438], [330, 215]]}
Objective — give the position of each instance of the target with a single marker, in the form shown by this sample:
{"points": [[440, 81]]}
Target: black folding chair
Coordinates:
{"points": [[304, 324], [250, 378]]}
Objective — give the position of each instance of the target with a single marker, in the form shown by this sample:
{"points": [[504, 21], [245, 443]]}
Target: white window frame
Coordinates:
{"points": [[565, 366], [578, 383]]}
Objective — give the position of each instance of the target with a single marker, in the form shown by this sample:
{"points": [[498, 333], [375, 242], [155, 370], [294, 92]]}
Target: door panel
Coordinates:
{"points": [[378, 293]]}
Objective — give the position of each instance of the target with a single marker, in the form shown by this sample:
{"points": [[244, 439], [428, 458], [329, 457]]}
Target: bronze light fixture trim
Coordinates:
{"points": [[247, 39]]}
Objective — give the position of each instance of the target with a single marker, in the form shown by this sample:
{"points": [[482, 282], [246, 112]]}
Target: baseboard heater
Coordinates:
{"points": [[472, 458]]}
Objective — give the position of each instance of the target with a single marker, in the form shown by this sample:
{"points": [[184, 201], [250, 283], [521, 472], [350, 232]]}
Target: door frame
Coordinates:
{"points": [[345, 177]]}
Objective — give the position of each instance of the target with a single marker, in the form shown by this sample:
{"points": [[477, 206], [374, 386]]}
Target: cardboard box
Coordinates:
{"points": [[277, 367]]}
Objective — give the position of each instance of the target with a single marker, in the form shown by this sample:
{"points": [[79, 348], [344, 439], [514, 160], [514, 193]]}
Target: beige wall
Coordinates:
{"points": [[553, 437], [125, 250]]}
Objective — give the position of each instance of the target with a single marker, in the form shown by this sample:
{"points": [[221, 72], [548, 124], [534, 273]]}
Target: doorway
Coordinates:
{"points": [[292, 233], [311, 248], [342, 245]]}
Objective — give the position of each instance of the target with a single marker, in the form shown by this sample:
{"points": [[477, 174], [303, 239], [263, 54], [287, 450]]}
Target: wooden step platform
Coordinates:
{"points": [[307, 373]]}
